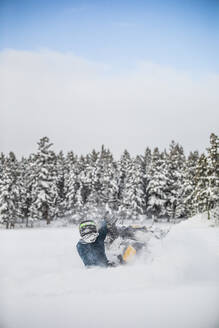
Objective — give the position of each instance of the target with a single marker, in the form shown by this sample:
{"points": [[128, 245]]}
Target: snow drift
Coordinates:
{"points": [[175, 284]]}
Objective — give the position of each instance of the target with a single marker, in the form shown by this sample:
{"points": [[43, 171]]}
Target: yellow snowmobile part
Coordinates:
{"points": [[129, 253]]}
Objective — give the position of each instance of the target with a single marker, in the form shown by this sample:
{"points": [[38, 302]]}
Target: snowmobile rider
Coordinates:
{"points": [[91, 246]]}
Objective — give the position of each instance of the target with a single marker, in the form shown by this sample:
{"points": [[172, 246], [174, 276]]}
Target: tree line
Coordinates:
{"points": [[158, 184]]}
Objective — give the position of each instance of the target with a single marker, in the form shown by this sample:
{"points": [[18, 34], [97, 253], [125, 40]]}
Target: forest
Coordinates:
{"points": [[157, 184]]}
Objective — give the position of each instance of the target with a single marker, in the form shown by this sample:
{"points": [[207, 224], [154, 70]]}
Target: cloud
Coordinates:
{"points": [[81, 104]]}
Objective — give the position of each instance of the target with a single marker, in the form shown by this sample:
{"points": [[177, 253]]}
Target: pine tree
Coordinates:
{"points": [[146, 165], [109, 184], [69, 181], [189, 183], [123, 167], [70, 191], [44, 189], [61, 168], [97, 178], [206, 193], [92, 183], [9, 192], [200, 194], [176, 168], [79, 203], [133, 200], [157, 186], [213, 171], [24, 190]]}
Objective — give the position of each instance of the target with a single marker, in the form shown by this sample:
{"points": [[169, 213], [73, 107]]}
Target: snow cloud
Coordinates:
{"points": [[81, 104]]}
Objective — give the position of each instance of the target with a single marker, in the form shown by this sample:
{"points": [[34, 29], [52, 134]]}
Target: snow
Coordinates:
{"points": [[44, 284]]}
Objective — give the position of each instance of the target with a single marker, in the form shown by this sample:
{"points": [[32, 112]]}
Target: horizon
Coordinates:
{"points": [[117, 158]]}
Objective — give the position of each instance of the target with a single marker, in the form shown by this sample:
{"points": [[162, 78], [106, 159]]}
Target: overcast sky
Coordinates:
{"points": [[123, 74]]}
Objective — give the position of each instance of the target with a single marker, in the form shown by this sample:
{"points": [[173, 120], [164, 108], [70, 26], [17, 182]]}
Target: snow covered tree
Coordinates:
{"points": [[133, 198], [24, 185], [146, 165], [70, 190], [175, 173], [9, 192], [213, 171], [206, 193], [109, 183], [92, 157], [46, 185], [44, 189], [2, 161], [123, 167], [70, 172], [98, 173], [200, 194], [91, 182], [157, 186], [79, 202], [61, 169], [189, 183]]}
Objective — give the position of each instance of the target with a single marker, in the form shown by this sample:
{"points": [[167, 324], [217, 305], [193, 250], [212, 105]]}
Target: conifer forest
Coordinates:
{"points": [[157, 184]]}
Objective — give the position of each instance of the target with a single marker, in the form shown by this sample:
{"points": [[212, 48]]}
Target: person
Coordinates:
{"points": [[91, 246]]}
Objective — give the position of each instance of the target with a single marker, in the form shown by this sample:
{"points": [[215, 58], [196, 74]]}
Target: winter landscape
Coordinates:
{"points": [[109, 164], [173, 281], [176, 284]]}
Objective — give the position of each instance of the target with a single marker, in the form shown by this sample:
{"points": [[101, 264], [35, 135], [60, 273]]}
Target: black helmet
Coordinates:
{"points": [[87, 227]]}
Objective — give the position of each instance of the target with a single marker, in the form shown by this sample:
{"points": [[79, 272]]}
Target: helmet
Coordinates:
{"points": [[88, 231]]}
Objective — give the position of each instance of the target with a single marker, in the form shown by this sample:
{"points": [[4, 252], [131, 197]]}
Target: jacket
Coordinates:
{"points": [[93, 254]]}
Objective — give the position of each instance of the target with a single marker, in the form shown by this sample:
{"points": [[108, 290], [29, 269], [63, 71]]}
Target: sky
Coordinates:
{"points": [[127, 74]]}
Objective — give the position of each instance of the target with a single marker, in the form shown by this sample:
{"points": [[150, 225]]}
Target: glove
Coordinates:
{"points": [[107, 216], [110, 219], [111, 264]]}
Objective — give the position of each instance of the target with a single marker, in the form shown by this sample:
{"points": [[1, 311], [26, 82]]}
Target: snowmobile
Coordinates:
{"points": [[125, 243]]}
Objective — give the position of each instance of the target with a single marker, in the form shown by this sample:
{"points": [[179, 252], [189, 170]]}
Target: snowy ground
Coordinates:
{"points": [[43, 283]]}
